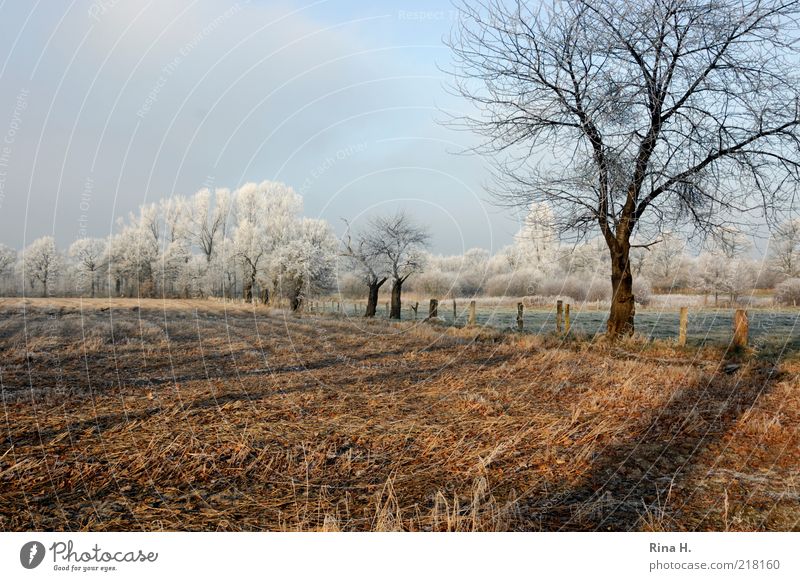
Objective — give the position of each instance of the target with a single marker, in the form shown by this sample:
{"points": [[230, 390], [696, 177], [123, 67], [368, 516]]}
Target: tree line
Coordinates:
{"points": [[253, 244]]}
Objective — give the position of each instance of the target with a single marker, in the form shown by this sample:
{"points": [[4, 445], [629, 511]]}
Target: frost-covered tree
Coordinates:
{"points": [[724, 268], [265, 215], [305, 263], [41, 263], [536, 243], [89, 255], [667, 264], [8, 257], [784, 249]]}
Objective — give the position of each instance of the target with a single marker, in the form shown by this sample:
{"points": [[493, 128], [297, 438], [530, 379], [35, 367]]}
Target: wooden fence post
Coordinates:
{"points": [[520, 320], [559, 315], [471, 316], [741, 328], [433, 309], [414, 308], [682, 325], [566, 319], [387, 308], [455, 312]]}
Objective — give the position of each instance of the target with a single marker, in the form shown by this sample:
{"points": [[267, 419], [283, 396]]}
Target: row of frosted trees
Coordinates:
{"points": [[254, 243]]}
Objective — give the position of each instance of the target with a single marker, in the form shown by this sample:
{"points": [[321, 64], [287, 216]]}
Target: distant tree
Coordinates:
{"points": [[628, 116], [8, 257], [401, 243], [306, 262], [41, 262], [536, 243], [265, 213], [364, 257], [724, 268], [788, 292], [667, 262], [784, 249], [89, 256]]}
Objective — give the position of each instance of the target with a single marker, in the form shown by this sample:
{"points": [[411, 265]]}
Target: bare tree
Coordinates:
{"points": [[400, 242], [368, 261], [629, 116]]}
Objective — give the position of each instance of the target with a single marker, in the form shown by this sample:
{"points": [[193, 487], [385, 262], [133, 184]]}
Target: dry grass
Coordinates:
{"points": [[194, 415]]}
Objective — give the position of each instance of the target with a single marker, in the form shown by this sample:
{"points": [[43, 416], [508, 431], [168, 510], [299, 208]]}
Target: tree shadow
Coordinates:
{"points": [[630, 482]]}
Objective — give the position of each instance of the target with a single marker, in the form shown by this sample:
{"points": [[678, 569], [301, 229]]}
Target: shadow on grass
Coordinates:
{"points": [[629, 483]]}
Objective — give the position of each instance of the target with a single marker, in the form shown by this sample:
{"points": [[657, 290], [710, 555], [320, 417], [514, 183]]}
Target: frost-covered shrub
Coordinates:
{"points": [[580, 288], [515, 284], [788, 292], [642, 290]]}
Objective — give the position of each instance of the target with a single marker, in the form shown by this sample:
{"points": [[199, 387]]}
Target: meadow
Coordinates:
{"points": [[202, 415]]}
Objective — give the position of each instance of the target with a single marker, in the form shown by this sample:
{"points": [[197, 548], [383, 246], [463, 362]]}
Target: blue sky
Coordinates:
{"points": [[108, 104]]}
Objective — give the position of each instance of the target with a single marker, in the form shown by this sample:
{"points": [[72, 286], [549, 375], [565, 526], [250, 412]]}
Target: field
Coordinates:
{"points": [[197, 415]]}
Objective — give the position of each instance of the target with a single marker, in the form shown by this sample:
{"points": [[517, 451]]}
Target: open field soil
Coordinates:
{"points": [[194, 415]]}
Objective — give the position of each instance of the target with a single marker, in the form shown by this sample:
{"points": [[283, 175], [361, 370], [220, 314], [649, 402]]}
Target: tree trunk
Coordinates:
{"points": [[264, 296], [397, 288], [372, 298], [623, 307], [296, 300], [92, 285], [247, 291]]}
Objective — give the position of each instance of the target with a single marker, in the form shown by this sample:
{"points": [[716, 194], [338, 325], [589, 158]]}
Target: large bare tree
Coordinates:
{"points": [[630, 117]]}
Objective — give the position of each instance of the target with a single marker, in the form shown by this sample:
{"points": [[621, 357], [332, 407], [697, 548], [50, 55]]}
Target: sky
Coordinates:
{"points": [[109, 104]]}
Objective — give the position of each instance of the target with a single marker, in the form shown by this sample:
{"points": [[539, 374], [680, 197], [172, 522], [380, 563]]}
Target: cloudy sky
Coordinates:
{"points": [[109, 104]]}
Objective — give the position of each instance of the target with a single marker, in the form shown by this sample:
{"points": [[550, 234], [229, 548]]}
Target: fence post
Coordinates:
{"points": [[433, 310], [566, 319], [387, 308], [414, 308], [682, 325], [520, 321], [741, 328], [559, 315], [455, 312], [471, 316]]}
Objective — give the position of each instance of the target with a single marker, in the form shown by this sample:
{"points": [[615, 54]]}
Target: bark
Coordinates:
{"points": [[264, 296], [623, 308], [247, 291], [372, 299], [296, 298], [397, 289]]}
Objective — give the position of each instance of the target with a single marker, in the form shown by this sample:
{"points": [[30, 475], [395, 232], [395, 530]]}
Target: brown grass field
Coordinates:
{"points": [[195, 415]]}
